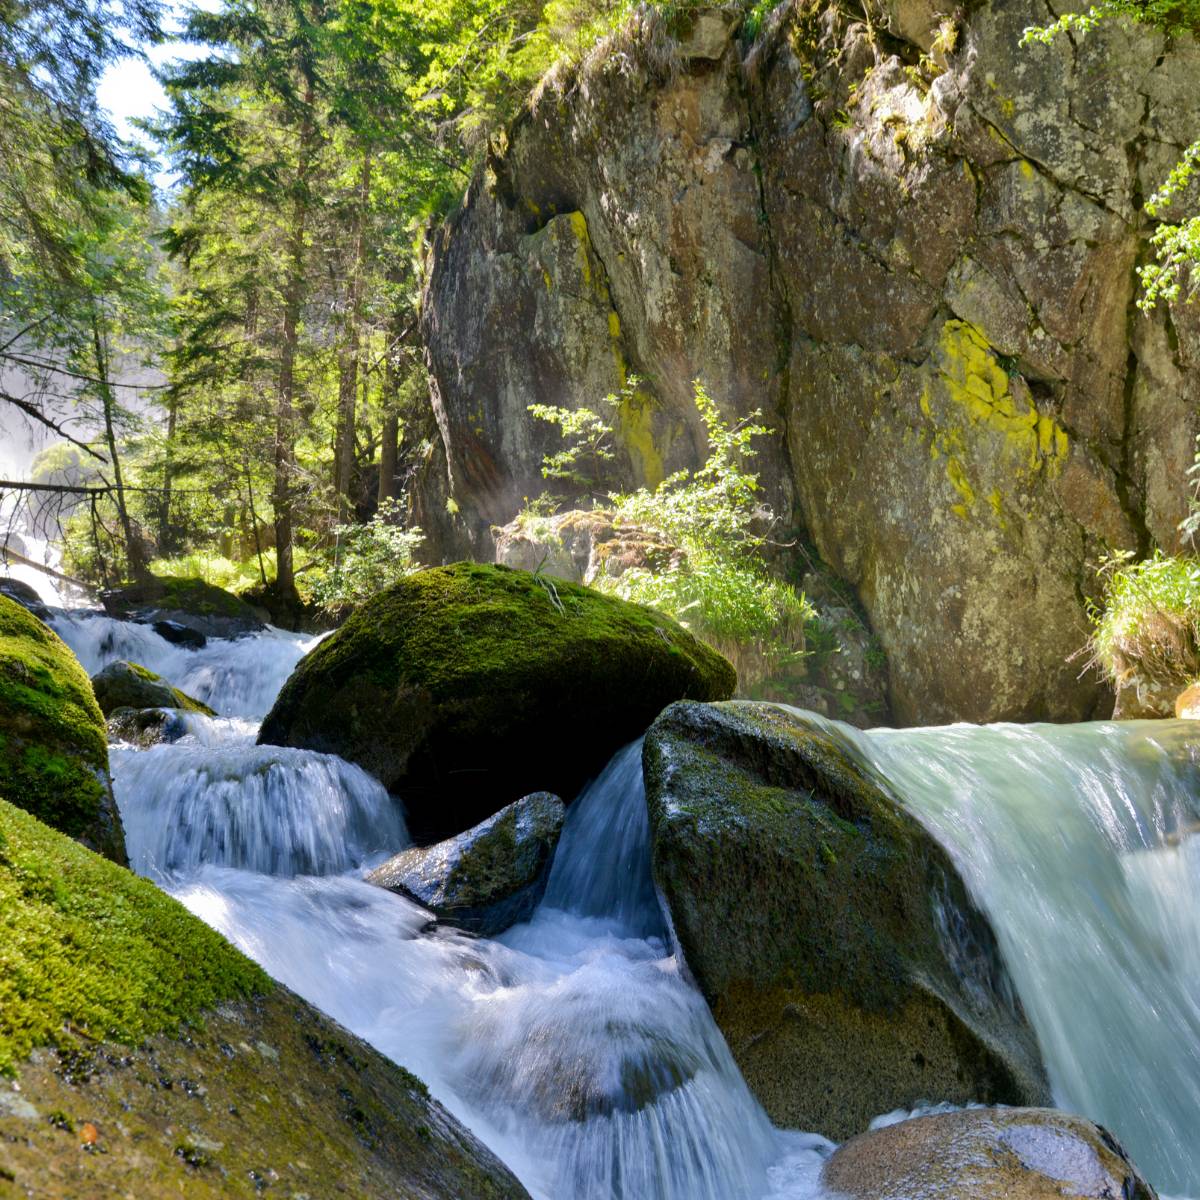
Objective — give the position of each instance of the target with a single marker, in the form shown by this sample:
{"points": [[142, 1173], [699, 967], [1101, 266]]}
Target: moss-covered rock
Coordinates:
{"points": [[843, 958], [53, 748], [130, 685], [466, 687], [152, 1058], [190, 602], [986, 1154], [488, 878]]}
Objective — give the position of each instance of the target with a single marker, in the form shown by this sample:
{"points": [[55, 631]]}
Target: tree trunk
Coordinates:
{"points": [[350, 353], [138, 569], [285, 410]]}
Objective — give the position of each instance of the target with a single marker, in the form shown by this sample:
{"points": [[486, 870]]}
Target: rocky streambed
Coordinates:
{"points": [[751, 936]]}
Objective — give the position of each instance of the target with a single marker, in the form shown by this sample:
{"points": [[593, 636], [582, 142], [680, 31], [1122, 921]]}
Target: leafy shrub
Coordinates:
{"points": [[1149, 625], [718, 586], [367, 558]]}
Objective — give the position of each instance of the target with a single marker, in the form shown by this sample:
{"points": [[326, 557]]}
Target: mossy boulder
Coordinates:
{"points": [[465, 687], [150, 1057], [53, 746], [488, 878], [185, 601], [986, 1154], [130, 685], [844, 961], [25, 595]]}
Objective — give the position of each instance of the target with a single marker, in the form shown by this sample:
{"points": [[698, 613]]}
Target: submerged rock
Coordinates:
{"points": [[145, 727], [466, 687], [53, 746], [190, 603], [986, 1154], [488, 878], [845, 963], [180, 635], [151, 1057], [130, 685]]}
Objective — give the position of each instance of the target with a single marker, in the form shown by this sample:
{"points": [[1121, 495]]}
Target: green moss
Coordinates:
{"points": [[127, 684], [89, 947], [53, 747], [492, 682]]}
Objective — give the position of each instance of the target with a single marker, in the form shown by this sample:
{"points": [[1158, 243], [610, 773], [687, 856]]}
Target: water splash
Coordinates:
{"points": [[262, 808], [1078, 843], [238, 677]]}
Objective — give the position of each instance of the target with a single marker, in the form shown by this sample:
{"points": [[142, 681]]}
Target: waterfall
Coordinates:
{"points": [[237, 677], [1078, 842], [575, 1044]]}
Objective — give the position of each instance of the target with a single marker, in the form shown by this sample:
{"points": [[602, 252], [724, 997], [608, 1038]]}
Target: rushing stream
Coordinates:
{"points": [[574, 1044]]}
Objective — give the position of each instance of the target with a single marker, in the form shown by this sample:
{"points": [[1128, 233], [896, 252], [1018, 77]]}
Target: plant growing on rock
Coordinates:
{"points": [[716, 584], [1146, 636], [1176, 243]]}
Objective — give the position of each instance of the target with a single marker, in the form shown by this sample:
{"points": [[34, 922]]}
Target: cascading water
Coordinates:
{"points": [[238, 677], [1077, 840], [574, 1044]]}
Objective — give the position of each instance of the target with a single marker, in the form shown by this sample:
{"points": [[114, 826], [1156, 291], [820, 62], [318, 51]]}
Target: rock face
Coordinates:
{"points": [[914, 249], [841, 954], [189, 604], [151, 1058], [986, 1154], [130, 685], [465, 687], [488, 878], [53, 747]]}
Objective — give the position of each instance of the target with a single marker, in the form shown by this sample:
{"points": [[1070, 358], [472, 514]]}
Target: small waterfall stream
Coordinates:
{"points": [[574, 1044]]}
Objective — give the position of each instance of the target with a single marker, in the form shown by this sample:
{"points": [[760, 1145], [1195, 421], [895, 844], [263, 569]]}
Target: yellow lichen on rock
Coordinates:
{"points": [[974, 378]]}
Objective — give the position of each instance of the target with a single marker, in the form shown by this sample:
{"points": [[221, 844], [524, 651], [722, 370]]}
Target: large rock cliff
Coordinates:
{"points": [[908, 240]]}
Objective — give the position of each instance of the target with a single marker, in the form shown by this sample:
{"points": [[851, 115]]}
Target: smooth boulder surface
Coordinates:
{"points": [[488, 878], [148, 1057], [53, 745], [190, 603], [844, 961], [986, 1154], [463, 688], [130, 685]]}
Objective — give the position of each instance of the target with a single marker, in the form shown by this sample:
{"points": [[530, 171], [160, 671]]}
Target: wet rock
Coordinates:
{"points": [[180, 635], [24, 595], [191, 603], [463, 688], [145, 727], [843, 958], [986, 1154], [1187, 703], [53, 745], [224, 1085], [129, 685], [488, 878]]}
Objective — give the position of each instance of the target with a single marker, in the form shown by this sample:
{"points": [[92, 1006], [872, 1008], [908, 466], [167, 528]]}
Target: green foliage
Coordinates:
{"points": [[88, 946], [1149, 622], [367, 559], [589, 436], [717, 585], [1176, 243]]}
